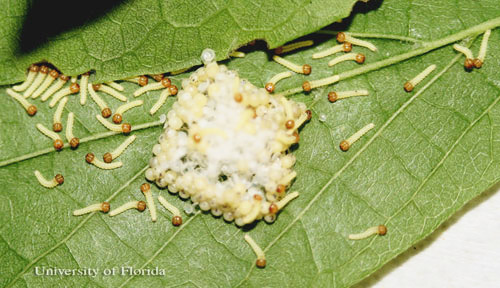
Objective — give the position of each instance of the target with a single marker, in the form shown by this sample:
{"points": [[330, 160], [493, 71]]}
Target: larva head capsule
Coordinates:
{"points": [[382, 230], [165, 82], [57, 127], [54, 74], [158, 77], [107, 157], [172, 89], [306, 69], [478, 63], [74, 88], [141, 206], [360, 58], [408, 87], [58, 144], [347, 47], [344, 145], [341, 37], [64, 77], [177, 220], [105, 207], [143, 80], [309, 114], [269, 87], [260, 263], [96, 87], [289, 124], [89, 157], [106, 112], [117, 118], [145, 187], [468, 64], [273, 208], [332, 96], [238, 97], [34, 68], [31, 110], [59, 179], [126, 128], [278, 50], [44, 69], [306, 86], [74, 142]]}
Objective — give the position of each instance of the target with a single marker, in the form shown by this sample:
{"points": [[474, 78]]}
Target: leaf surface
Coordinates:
{"points": [[430, 152]]}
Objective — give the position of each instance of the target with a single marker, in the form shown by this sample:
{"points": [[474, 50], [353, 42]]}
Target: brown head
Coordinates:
{"points": [[341, 37], [309, 114], [44, 69], [165, 82], [145, 187], [126, 128], [74, 142], [347, 47], [74, 88], [141, 205], [344, 145], [177, 220], [261, 263], [96, 87], [58, 144], [64, 77], [105, 207], [172, 90], [34, 68], [238, 97], [106, 112], [332, 96], [360, 58], [57, 127], [468, 64], [306, 69], [278, 50], [478, 63], [306, 86], [31, 110], [54, 74], [408, 87], [117, 118], [269, 87], [382, 230], [289, 124], [107, 157], [59, 179], [157, 77], [273, 208], [89, 157], [143, 80]]}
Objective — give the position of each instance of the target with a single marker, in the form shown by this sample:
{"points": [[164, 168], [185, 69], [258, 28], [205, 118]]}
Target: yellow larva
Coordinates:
{"points": [[478, 62], [32, 72], [346, 37], [57, 180], [161, 100], [410, 85], [103, 207], [236, 54], [141, 80], [90, 158], [176, 219], [58, 144], [105, 111], [125, 107], [146, 190], [110, 91], [30, 108], [345, 47], [261, 257], [293, 46], [164, 83], [125, 128], [289, 197], [72, 89], [110, 156], [301, 69], [44, 70], [139, 205], [55, 87], [309, 85], [469, 62], [346, 144], [334, 96], [358, 57], [56, 120], [115, 86], [73, 141], [84, 82], [375, 230], [53, 75], [270, 85]]}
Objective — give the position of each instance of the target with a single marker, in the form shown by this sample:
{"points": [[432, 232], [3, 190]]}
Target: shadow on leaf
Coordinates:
{"points": [[48, 19]]}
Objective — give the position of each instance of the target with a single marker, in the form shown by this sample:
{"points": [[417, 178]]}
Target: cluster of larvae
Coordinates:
{"points": [[226, 145]]}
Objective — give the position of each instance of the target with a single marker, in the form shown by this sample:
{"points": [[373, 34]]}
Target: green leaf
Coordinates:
{"points": [[151, 36], [430, 152]]}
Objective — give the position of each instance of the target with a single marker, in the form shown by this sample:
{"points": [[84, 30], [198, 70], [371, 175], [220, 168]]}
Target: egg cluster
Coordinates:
{"points": [[226, 146]]}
